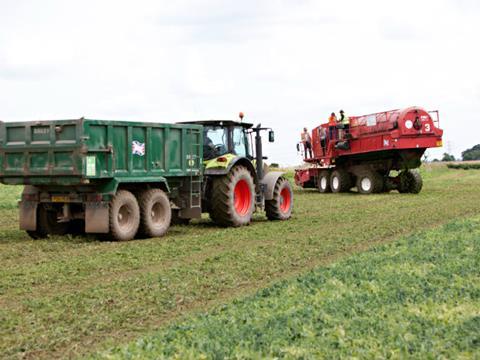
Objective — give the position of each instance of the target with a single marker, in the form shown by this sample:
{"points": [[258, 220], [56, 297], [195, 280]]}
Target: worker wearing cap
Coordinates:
{"points": [[332, 123], [344, 123], [307, 142]]}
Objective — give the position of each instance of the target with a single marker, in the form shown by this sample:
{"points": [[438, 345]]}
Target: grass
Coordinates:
{"points": [[71, 296], [416, 298]]}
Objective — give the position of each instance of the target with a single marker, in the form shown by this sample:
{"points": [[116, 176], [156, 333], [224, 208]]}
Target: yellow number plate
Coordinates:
{"points": [[58, 198]]}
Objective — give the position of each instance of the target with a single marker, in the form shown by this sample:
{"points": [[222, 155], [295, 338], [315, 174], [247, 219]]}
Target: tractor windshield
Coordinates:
{"points": [[215, 142]]}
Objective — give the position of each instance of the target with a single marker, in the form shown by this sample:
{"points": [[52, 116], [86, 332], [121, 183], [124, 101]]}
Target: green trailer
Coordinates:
{"points": [[130, 179]]}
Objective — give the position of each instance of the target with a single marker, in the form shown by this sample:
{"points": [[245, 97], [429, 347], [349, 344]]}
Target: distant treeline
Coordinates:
{"points": [[464, 166]]}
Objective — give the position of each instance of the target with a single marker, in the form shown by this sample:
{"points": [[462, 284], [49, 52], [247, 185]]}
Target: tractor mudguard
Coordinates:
{"points": [[268, 183], [214, 167]]}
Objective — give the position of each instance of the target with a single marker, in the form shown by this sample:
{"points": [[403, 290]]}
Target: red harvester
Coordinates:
{"points": [[364, 154]]}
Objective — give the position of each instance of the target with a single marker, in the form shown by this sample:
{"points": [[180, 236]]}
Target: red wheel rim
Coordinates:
{"points": [[285, 200], [242, 197]]}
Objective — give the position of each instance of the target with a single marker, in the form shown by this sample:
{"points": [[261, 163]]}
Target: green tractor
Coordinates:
{"points": [[236, 181]]}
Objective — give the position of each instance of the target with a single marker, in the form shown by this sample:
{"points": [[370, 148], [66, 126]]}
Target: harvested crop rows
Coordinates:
{"points": [[68, 296]]}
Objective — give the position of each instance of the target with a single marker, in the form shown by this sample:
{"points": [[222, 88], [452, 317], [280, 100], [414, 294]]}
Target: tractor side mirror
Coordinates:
{"points": [[271, 136]]}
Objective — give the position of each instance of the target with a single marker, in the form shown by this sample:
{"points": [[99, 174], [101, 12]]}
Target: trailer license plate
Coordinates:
{"points": [[60, 198]]}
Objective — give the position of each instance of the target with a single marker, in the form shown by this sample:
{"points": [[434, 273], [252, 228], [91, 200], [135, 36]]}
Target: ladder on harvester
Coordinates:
{"points": [[195, 193]]}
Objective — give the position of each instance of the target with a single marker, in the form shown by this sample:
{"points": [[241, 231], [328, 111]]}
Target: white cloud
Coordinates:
{"points": [[287, 64]]}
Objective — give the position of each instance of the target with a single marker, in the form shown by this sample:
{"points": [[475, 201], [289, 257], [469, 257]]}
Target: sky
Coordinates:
{"points": [[285, 64]]}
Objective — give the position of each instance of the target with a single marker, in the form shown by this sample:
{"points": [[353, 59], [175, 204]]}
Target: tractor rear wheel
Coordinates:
{"points": [[410, 182], [155, 212], [280, 207], [340, 181], [324, 181], [369, 182], [233, 198], [124, 216]]}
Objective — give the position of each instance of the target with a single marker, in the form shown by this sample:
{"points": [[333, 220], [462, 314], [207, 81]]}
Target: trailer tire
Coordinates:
{"points": [[124, 216], [155, 213], [233, 198], [324, 182], [340, 181], [280, 207], [410, 182], [369, 182], [47, 224]]}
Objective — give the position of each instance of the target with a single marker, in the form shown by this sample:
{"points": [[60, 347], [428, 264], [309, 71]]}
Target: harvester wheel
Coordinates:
{"points": [[47, 224], [410, 182], [280, 207], [369, 182], [324, 181], [124, 216], [155, 213], [340, 181], [233, 198]]}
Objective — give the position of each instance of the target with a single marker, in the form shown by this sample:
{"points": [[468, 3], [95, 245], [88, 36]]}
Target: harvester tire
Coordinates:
{"points": [[280, 207], [369, 182], [124, 216], [233, 198], [324, 181], [155, 213], [410, 182], [47, 224], [340, 181]]}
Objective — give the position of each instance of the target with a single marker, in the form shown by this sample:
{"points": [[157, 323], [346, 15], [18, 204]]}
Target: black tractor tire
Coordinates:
{"points": [[280, 207], [340, 181], [369, 182], [410, 182], [124, 216], [47, 223], [233, 198], [324, 182], [155, 213], [177, 220]]}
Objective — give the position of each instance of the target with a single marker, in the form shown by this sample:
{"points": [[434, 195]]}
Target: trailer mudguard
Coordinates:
{"points": [[268, 183], [97, 217], [28, 215]]}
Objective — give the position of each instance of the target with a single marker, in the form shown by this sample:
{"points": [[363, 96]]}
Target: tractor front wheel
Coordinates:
{"points": [[233, 198], [280, 207], [47, 223]]}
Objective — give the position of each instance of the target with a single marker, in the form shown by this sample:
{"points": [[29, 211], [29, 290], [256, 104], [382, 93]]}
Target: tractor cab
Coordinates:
{"points": [[222, 137]]}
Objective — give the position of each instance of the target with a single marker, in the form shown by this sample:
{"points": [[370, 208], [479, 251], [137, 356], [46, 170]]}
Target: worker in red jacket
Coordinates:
{"points": [[332, 123]]}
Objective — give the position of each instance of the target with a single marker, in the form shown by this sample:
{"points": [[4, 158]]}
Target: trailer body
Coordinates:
{"points": [[83, 163]]}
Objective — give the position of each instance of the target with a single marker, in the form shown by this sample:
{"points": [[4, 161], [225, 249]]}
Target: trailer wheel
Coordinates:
{"points": [[280, 207], [155, 213], [340, 181], [410, 182], [124, 216], [233, 198], [369, 182], [47, 223], [324, 181]]}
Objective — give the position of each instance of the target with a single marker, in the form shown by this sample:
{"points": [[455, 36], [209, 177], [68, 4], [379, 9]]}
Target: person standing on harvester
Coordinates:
{"points": [[307, 143], [345, 124]]}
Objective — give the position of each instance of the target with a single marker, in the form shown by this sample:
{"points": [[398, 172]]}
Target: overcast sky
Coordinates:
{"points": [[286, 64]]}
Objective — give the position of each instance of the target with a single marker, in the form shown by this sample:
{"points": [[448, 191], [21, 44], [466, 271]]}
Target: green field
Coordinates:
{"points": [[72, 296], [416, 298]]}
